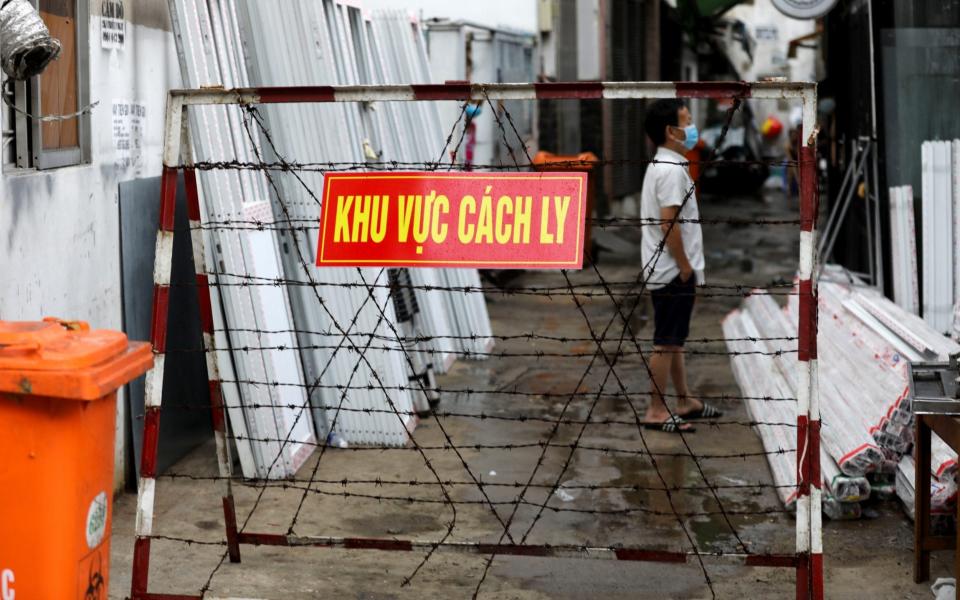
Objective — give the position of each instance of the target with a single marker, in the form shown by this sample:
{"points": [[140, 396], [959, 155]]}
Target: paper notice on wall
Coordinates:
{"points": [[113, 29], [129, 119]]}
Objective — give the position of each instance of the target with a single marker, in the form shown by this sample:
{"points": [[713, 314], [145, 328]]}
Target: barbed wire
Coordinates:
{"points": [[609, 342], [467, 392], [397, 165], [246, 281], [442, 414], [380, 482], [502, 354], [531, 336], [313, 225]]}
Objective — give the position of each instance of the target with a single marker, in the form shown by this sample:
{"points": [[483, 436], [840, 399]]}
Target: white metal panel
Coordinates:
{"points": [[277, 38], [903, 245], [938, 242], [258, 316], [955, 196]]}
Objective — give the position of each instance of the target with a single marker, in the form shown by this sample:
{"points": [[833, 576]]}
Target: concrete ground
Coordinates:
{"points": [[869, 558]]}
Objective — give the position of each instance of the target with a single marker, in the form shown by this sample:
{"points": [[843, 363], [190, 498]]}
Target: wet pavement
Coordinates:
{"points": [[870, 558]]}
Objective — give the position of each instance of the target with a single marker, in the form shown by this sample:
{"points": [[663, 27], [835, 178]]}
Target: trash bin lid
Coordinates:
{"points": [[66, 358]]}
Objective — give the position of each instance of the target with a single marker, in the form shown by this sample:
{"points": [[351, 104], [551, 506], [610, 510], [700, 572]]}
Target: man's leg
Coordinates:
{"points": [[678, 372], [660, 362]]}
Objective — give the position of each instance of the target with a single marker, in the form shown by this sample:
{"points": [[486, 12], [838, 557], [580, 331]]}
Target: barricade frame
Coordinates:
{"points": [[177, 156]]}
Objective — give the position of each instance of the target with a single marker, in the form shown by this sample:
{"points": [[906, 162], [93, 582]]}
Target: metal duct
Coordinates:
{"points": [[26, 47]]}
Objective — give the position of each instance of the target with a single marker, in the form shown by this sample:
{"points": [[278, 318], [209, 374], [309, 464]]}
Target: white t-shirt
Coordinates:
{"points": [[667, 185]]}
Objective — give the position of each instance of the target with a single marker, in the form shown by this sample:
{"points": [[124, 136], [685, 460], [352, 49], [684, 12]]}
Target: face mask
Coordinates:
{"points": [[692, 136]]}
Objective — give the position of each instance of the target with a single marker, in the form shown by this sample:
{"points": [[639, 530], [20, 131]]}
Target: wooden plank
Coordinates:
{"points": [[947, 427], [60, 8], [58, 86], [921, 516]]}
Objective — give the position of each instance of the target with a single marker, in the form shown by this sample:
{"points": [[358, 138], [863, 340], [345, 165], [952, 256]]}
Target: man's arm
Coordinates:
{"points": [[674, 240]]}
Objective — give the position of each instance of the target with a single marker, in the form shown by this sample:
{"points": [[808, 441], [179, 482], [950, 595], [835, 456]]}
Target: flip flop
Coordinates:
{"points": [[673, 424], [708, 411]]}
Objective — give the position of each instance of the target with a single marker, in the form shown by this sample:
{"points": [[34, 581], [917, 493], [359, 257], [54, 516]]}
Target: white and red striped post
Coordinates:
{"points": [[218, 411], [153, 392], [809, 479], [175, 139]]}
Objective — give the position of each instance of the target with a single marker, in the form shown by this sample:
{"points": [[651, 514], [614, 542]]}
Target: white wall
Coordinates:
{"points": [[59, 229], [514, 14]]}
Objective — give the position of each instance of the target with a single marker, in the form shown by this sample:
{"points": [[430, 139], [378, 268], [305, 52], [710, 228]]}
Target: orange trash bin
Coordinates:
{"points": [[58, 389], [585, 161]]}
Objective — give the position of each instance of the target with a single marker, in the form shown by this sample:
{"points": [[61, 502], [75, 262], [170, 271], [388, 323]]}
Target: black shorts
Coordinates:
{"points": [[672, 308]]}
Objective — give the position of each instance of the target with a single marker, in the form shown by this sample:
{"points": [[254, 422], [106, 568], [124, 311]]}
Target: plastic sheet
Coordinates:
{"points": [[26, 47]]}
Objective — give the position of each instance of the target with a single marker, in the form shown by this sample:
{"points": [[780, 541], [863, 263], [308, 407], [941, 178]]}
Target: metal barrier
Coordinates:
{"points": [[293, 445]]}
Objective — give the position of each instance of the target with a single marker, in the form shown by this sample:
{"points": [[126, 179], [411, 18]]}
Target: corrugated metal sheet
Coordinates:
{"points": [[309, 43], [304, 42], [208, 52]]}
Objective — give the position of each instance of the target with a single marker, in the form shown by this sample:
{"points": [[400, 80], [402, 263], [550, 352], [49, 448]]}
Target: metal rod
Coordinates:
{"points": [[828, 226], [497, 91], [624, 553], [832, 235]]}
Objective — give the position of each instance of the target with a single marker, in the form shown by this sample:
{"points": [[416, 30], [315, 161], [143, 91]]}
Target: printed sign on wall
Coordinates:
{"points": [[429, 219], [128, 124], [113, 28]]}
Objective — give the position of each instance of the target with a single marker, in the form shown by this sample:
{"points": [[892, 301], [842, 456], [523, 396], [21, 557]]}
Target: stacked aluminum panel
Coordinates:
{"points": [[956, 320], [406, 62], [256, 316], [311, 43], [334, 316], [903, 247], [469, 312], [416, 135], [940, 164], [303, 42]]}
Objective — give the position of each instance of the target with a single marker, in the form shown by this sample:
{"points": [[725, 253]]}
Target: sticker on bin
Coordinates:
{"points": [[97, 520], [7, 580], [429, 219]]}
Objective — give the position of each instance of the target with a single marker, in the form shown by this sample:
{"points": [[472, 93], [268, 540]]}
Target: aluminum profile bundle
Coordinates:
{"points": [[255, 316], [845, 434], [351, 337], [903, 246], [865, 343], [943, 495], [893, 336], [864, 333], [764, 385], [869, 374], [940, 167], [759, 378]]}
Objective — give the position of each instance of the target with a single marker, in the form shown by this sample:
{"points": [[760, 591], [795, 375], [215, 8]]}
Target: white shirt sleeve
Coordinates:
{"points": [[673, 185]]}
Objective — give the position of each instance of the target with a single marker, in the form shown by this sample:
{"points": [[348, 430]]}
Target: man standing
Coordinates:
{"points": [[672, 252]]}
